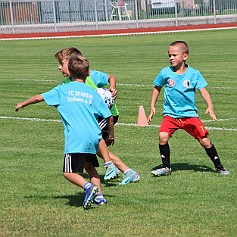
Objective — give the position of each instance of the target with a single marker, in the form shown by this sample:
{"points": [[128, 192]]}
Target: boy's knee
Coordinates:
{"points": [[163, 138], [66, 175], [205, 142]]}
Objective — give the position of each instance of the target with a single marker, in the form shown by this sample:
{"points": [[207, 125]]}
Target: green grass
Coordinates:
{"points": [[194, 201]]}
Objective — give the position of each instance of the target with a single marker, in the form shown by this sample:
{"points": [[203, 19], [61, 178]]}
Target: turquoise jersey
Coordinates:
{"points": [[179, 92], [100, 79], [79, 107]]}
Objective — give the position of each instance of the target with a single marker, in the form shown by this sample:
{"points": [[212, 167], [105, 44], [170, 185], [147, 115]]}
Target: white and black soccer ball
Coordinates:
{"points": [[106, 95]]}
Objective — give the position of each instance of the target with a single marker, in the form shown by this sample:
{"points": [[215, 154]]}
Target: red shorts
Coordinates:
{"points": [[193, 126]]}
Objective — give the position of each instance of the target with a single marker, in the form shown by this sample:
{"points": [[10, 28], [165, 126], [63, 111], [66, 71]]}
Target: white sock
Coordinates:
{"points": [[106, 164], [87, 185], [125, 172]]}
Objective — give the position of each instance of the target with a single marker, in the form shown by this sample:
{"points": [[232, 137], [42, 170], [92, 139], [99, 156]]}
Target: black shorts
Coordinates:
{"points": [[105, 130], [75, 162]]}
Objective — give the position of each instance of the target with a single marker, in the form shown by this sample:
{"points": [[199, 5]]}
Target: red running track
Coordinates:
{"points": [[118, 31]]}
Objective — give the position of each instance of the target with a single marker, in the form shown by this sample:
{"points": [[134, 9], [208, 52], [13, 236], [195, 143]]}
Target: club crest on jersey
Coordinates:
{"points": [[171, 82], [186, 83]]}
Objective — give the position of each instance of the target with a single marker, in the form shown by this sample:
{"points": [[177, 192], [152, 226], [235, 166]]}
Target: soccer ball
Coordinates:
{"points": [[106, 95]]}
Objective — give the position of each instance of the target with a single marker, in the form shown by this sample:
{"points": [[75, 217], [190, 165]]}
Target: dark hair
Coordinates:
{"points": [[183, 45]]}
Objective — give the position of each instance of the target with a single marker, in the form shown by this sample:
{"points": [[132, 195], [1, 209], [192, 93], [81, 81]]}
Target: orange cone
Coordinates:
{"points": [[142, 119]]}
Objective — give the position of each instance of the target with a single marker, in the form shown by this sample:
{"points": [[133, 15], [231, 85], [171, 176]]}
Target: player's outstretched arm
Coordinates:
{"points": [[32, 100], [206, 96]]}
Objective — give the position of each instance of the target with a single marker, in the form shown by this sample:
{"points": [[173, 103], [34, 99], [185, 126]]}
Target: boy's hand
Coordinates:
{"points": [[152, 112], [114, 93], [19, 106], [211, 112], [109, 141]]}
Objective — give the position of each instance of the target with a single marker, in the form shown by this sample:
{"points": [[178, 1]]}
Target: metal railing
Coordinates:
{"points": [[23, 16]]}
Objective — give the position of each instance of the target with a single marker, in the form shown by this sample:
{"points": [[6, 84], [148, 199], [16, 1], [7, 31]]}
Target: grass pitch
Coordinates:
{"points": [[193, 201]]}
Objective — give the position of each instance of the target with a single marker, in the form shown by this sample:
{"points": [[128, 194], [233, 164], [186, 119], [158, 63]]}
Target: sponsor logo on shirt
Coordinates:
{"points": [[186, 83], [78, 96], [171, 82]]}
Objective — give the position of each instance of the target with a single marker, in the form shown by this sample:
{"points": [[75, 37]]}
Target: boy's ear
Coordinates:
{"points": [[89, 73], [185, 56]]}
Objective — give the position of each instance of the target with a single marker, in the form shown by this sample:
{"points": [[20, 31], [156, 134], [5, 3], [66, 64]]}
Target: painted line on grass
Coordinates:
{"points": [[152, 85], [122, 84], [31, 119], [123, 124], [157, 126]]}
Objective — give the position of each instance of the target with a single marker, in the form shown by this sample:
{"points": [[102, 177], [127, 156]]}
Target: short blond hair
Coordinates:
{"points": [[65, 53]]}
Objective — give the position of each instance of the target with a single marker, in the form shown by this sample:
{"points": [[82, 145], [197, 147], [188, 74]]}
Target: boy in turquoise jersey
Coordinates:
{"points": [[79, 107], [95, 80], [180, 82]]}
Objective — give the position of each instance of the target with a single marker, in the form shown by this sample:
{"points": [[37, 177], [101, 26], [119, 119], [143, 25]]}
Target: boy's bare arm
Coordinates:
{"points": [[32, 100], [206, 96], [112, 83], [110, 139], [154, 97]]}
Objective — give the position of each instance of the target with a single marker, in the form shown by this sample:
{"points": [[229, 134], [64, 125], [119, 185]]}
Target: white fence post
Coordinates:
{"points": [[12, 17], [176, 12], [96, 17], [136, 11], [106, 10], [214, 10], [54, 17]]}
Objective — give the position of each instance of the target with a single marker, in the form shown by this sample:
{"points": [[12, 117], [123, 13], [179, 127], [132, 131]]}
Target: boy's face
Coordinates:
{"points": [[176, 56], [63, 67]]}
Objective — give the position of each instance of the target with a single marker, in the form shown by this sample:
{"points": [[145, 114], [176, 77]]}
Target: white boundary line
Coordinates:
{"points": [[142, 85], [31, 119], [125, 84], [119, 34], [123, 124]]}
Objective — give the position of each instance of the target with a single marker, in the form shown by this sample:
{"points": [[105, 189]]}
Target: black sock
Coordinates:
{"points": [[212, 153], [165, 154]]}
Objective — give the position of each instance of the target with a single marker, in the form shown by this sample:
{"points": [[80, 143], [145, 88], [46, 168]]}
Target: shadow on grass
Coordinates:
{"points": [[75, 200], [107, 183], [186, 166]]}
